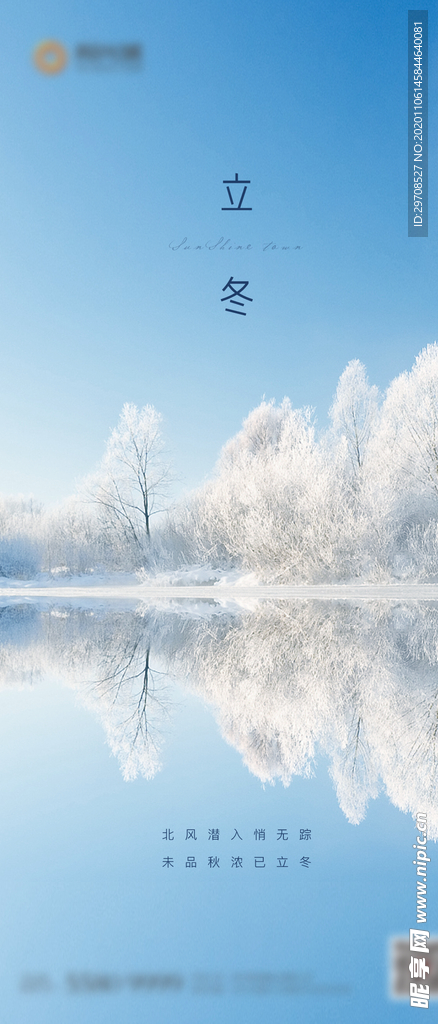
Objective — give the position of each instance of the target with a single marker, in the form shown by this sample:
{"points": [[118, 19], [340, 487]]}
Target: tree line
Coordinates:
{"points": [[287, 502]]}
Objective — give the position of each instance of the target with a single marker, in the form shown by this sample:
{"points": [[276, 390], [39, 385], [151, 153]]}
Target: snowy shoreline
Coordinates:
{"points": [[130, 590]]}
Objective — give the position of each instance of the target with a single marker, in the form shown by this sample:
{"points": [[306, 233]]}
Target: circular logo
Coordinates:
{"points": [[50, 57]]}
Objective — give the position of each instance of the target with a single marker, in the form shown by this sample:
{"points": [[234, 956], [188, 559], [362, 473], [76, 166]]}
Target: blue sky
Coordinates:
{"points": [[102, 171]]}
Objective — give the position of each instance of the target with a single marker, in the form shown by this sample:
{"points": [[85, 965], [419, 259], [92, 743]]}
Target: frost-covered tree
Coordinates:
{"points": [[285, 503], [408, 436], [279, 505], [22, 536], [354, 410], [130, 484]]}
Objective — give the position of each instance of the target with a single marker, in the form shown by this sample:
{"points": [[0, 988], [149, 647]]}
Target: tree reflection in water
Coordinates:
{"points": [[286, 681]]}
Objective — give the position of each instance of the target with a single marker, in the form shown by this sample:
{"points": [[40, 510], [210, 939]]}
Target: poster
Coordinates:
{"points": [[218, 678]]}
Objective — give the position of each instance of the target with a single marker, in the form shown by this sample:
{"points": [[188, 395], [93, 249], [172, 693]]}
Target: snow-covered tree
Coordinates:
{"points": [[130, 484], [279, 505], [22, 536], [408, 435], [354, 410]]}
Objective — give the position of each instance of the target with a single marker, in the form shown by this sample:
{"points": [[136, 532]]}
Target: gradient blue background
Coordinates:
{"points": [[101, 171]]}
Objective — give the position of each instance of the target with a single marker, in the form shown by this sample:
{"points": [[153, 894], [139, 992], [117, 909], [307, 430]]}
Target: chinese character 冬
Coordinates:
{"points": [[168, 834], [167, 862], [239, 206], [282, 862], [305, 833], [237, 862], [259, 833], [282, 833], [190, 862], [236, 835], [213, 833], [190, 833], [259, 862], [235, 291], [305, 861], [213, 862]]}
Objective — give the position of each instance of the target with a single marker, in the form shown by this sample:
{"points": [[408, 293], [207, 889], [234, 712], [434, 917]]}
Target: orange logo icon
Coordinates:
{"points": [[50, 57]]}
